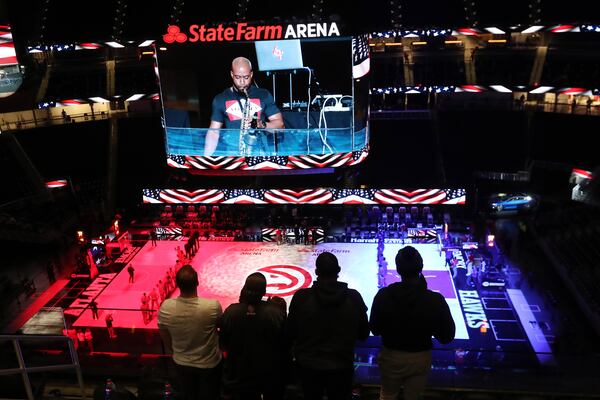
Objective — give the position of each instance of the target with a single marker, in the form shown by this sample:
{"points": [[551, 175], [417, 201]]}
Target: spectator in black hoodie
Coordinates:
{"points": [[252, 339], [407, 315], [324, 323]]}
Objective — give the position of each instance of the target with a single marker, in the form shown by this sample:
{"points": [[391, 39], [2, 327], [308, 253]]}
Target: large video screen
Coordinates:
{"points": [[11, 77], [240, 103]]}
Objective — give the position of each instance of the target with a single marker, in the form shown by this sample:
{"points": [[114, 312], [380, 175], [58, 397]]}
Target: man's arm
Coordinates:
{"points": [[275, 121], [375, 322], [212, 138], [291, 324], [445, 331], [363, 319], [166, 338]]}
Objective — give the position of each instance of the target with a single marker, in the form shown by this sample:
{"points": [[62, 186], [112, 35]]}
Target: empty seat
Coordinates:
{"points": [[376, 212], [168, 211], [430, 219], [191, 211], [402, 212], [414, 212]]}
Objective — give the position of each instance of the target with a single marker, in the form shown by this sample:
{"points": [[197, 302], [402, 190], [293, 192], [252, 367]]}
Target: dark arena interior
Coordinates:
{"points": [[462, 128]]}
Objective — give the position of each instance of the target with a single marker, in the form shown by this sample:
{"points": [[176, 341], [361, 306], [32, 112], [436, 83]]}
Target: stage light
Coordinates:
{"points": [[419, 43], [146, 43], [491, 240], [533, 29], [114, 45], [80, 237], [497, 41]]}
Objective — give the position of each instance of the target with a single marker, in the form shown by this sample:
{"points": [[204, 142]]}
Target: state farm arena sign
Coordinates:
{"points": [[245, 32]]}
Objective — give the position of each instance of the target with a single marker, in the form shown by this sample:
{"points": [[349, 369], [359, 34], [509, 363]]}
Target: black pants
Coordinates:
{"points": [[271, 389], [336, 383], [200, 383]]}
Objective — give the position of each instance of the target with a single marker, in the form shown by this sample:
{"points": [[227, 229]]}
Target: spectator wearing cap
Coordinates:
{"points": [[251, 337], [406, 315], [324, 323]]}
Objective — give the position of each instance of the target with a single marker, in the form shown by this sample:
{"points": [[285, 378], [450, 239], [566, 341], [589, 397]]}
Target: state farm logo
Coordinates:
{"points": [[285, 280], [174, 34], [242, 31]]}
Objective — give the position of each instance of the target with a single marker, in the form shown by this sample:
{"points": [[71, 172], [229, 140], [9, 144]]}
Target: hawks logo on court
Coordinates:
{"points": [[285, 280]]}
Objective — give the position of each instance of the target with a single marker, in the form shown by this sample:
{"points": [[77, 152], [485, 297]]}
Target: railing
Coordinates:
{"points": [[24, 370], [267, 142]]}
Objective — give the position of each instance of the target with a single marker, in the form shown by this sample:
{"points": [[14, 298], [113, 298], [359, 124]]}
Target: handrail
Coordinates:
{"points": [[25, 371]]}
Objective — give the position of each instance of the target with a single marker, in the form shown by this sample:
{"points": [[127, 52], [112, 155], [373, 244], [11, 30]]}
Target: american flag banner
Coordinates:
{"points": [[8, 55], [268, 163], [361, 63], [421, 233], [305, 196], [10, 72], [169, 231], [182, 196], [421, 196], [268, 234]]}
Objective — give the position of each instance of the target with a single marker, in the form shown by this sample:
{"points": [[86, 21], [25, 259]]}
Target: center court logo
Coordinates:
{"points": [[285, 280]]}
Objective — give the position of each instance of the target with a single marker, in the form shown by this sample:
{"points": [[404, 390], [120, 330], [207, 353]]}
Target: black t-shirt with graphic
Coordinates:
{"points": [[228, 106]]}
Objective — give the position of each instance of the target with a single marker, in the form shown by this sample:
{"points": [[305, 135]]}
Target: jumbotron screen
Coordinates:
{"points": [[11, 77], [287, 102]]}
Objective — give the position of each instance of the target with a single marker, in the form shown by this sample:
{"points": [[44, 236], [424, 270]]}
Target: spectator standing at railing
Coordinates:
{"points": [[324, 323], [188, 327], [588, 105], [251, 335], [406, 315]]}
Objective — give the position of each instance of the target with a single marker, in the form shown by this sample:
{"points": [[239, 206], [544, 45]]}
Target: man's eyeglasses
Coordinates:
{"points": [[244, 77]]}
